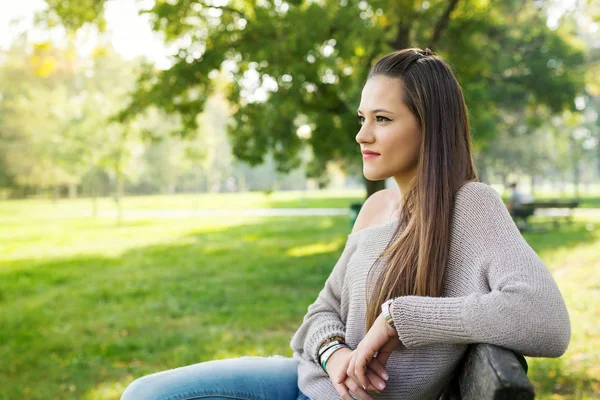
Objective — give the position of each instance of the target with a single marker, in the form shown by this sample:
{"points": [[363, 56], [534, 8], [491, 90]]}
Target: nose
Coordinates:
{"points": [[364, 135]]}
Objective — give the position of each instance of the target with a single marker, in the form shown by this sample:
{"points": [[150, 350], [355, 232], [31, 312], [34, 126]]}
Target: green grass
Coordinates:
{"points": [[86, 307], [573, 255], [286, 199]]}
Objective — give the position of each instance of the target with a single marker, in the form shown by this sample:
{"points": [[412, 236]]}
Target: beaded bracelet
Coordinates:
{"points": [[331, 339]]}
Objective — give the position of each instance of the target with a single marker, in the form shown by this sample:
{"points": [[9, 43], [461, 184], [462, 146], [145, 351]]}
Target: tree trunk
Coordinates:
{"points": [[575, 157], [576, 178], [55, 194], [119, 187], [403, 37], [94, 194], [72, 190], [94, 205], [198, 181], [480, 167], [598, 146], [54, 190], [119, 197], [442, 23], [373, 186]]}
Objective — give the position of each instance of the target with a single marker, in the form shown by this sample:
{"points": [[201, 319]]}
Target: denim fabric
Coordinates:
{"points": [[244, 378]]}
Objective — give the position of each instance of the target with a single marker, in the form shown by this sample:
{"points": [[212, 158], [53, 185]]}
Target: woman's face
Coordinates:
{"points": [[388, 128]]}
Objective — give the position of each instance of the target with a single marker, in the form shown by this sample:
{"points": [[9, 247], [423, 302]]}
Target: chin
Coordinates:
{"points": [[374, 176]]}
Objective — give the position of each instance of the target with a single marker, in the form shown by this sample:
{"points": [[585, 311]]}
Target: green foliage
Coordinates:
{"points": [[311, 59], [510, 62], [44, 123]]}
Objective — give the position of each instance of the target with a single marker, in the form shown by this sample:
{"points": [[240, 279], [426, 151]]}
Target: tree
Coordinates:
{"points": [[308, 60], [41, 117], [55, 125]]}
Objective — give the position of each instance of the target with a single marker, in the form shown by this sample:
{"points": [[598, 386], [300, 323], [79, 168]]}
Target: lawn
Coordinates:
{"points": [[288, 199], [86, 307]]}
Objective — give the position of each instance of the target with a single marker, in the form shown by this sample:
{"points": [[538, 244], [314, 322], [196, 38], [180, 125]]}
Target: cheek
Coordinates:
{"points": [[416, 143], [405, 143]]}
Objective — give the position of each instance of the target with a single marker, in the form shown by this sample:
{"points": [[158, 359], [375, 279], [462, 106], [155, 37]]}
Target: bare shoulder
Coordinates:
{"points": [[376, 209]]}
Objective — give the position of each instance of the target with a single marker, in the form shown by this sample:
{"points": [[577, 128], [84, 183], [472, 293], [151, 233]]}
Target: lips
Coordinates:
{"points": [[367, 154]]}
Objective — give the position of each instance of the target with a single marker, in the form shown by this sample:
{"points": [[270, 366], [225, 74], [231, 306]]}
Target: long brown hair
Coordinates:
{"points": [[415, 260]]}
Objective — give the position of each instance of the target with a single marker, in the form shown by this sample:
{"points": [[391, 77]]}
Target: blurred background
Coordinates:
{"points": [[178, 177]]}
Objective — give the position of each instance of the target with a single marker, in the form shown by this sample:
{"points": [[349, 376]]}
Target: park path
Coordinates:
{"points": [[253, 212], [267, 212]]}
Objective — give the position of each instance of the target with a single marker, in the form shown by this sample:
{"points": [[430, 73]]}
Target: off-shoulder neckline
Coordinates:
{"points": [[396, 221], [373, 227]]}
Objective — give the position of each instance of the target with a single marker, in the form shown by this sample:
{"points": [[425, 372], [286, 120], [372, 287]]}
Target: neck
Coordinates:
{"points": [[405, 182]]}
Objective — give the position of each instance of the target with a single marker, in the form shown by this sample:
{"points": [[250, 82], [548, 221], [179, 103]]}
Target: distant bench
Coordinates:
{"points": [[554, 208], [489, 372]]}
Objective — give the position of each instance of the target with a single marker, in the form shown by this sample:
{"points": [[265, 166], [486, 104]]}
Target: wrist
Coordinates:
{"points": [[386, 315], [323, 358], [326, 365]]}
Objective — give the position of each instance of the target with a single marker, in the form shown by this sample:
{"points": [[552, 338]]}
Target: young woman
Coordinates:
{"points": [[429, 267]]}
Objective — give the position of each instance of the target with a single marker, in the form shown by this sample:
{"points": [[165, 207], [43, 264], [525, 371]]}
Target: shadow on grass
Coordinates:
{"points": [[71, 325]]}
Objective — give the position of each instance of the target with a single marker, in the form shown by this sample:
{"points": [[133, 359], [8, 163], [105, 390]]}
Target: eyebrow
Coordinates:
{"points": [[376, 110]]}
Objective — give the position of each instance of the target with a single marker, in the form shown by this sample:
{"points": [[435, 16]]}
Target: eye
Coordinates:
{"points": [[379, 118]]}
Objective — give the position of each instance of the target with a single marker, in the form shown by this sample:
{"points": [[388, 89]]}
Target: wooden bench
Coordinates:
{"points": [[557, 209], [489, 372]]}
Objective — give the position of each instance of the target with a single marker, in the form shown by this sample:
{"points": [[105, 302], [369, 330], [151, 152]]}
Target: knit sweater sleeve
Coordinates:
{"points": [[323, 318], [523, 311]]}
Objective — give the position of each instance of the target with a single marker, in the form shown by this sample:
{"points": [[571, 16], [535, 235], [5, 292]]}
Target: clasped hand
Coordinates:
{"points": [[360, 370]]}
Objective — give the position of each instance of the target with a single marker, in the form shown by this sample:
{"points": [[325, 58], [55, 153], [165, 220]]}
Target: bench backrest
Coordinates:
{"points": [[489, 372]]}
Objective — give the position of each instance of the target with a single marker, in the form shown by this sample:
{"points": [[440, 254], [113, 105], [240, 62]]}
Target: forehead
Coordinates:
{"points": [[381, 92]]}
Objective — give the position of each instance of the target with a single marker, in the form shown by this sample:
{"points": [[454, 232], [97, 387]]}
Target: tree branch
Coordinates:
{"points": [[442, 23]]}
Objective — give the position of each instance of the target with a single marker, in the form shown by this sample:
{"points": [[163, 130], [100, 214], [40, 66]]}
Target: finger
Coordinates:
{"points": [[343, 391], [350, 369], [357, 390], [383, 357], [360, 367], [375, 381], [379, 368]]}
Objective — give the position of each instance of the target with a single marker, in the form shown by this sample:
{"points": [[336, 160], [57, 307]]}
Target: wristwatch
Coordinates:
{"points": [[385, 310]]}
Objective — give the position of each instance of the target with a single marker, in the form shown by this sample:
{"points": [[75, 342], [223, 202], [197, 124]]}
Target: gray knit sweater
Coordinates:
{"points": [[497, 290]]}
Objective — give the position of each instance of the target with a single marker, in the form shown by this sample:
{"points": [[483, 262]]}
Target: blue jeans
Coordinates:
{"points": [[244, 378]]}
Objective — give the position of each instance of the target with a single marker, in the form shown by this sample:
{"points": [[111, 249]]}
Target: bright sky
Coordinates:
{"points": [[130, 33]]}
